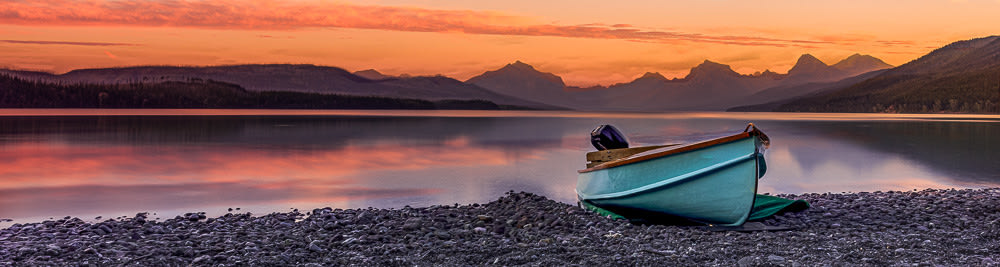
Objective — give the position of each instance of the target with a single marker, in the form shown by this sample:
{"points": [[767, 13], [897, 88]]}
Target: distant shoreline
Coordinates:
{"points": [[205, 94], [846, 112], [8, 112]]}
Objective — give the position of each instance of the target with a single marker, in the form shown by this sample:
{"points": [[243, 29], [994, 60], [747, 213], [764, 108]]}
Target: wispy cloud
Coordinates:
{"points": [[65, 43], [278, 15], [895, 43], [268, 36]]}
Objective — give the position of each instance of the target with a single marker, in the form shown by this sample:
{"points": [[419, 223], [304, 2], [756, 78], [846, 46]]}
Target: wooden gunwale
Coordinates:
{"points": [[678, 150], [604, 156]]}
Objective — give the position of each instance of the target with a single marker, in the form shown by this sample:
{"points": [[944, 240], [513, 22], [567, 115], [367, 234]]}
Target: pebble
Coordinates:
{"points": [[442, 235], [929, 227], [200, 259], [314, 246]]}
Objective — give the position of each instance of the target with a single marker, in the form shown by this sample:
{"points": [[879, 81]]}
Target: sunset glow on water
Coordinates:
{"points": [[120, 162]]}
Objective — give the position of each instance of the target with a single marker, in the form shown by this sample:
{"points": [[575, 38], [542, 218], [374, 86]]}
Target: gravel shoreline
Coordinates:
{"points": [[922, 228]]}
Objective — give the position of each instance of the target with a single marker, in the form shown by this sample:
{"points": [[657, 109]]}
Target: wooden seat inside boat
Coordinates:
{"points": [[604, 156]]}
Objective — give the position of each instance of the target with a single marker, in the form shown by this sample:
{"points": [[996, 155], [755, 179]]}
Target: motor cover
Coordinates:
{"points": [[606, 137]]}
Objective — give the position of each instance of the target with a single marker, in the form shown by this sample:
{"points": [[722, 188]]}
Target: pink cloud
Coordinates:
{"points": [[275, 15], [65, 43]]}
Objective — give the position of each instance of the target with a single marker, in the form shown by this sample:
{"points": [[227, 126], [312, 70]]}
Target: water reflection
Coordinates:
{"points": [[52, 166], [968, 152], [839, 156]]}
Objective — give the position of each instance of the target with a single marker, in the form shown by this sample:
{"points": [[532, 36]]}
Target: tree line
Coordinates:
{"points": [[959, 92], [20, 93]]}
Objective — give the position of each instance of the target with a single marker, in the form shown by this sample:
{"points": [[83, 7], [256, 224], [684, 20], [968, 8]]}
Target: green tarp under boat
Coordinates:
{"points": [[764, 207]]}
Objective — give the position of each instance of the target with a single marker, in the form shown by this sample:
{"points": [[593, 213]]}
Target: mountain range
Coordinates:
{"points": [[291, 78], [960, 77], [708, 86]]}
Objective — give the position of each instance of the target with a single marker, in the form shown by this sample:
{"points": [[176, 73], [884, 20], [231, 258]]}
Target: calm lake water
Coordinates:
{"points": [[85, 163]]}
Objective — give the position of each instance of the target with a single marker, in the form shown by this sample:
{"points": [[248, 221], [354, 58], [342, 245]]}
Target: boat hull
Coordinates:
{"points": [[714, 184]]}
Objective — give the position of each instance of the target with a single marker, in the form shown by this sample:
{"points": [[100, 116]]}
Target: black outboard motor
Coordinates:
{"points": [[606, 137]]}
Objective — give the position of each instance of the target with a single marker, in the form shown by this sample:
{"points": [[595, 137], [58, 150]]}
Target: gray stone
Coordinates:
{"points": [[443, 235], [364, 218], [53, 250], [412, 224], [26, 250], [200, 259], [314, 246], [559, 233]]}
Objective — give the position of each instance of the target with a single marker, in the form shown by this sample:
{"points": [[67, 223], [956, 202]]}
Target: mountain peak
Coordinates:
{"points": [[653, 75], [523, 70], [518, 65], [712, 65], [521, 80], [709, 62], [808, 64], [711, 69], [857, 63], [809, 59], [767, 73], [372, 74]]}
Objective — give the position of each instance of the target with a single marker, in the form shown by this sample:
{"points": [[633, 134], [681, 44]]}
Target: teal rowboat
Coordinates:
{"points": [[713, 181]]}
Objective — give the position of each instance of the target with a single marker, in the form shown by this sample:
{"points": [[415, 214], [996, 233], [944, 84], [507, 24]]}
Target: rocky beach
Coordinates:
{"points": [[912, 228]]}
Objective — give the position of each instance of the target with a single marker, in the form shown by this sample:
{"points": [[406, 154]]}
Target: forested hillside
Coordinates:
{"points": [[962, 77], [967, 92], [20, 93]]}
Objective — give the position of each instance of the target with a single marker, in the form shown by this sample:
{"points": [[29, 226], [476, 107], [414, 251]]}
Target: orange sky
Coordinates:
{"points": [[586, 42]]}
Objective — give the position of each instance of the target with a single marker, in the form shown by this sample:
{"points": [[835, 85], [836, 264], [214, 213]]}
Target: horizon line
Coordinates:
{"points": [[428, 75]]}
